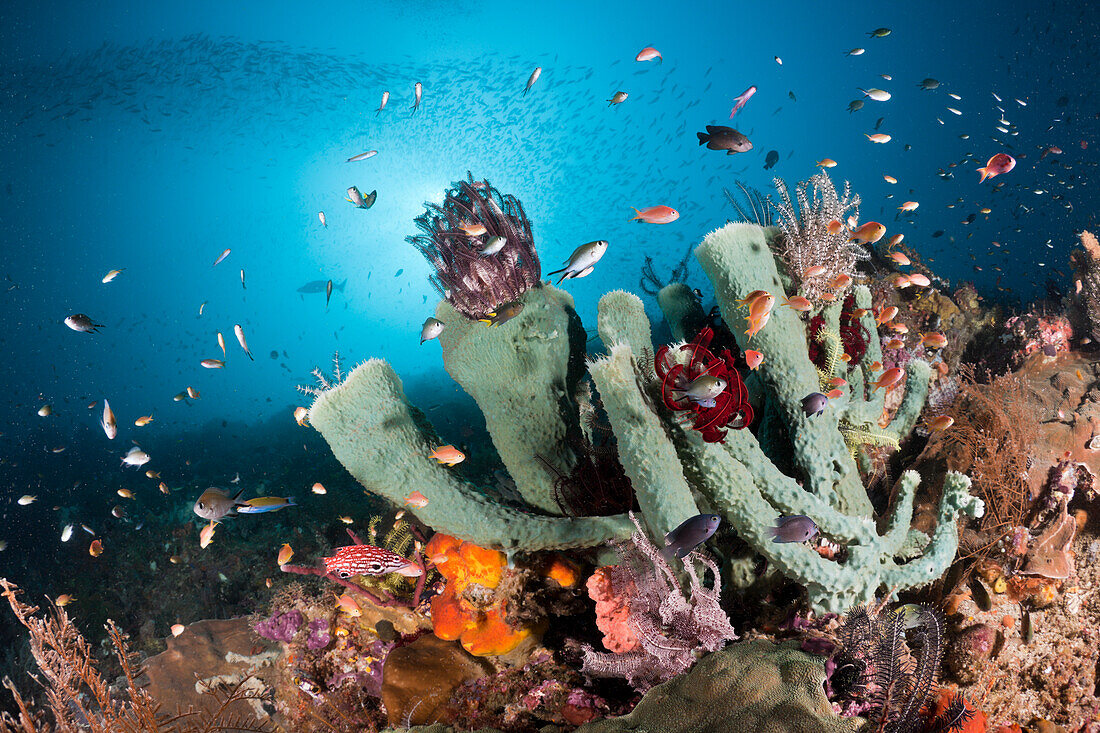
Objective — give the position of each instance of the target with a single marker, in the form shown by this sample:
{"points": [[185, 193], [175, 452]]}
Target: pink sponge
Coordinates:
{"points": [[611, 589]]}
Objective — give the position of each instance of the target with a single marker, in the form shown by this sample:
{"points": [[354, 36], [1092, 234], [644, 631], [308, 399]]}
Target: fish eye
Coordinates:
{"points": [[201, 505], [344, 574], [375, 567]]}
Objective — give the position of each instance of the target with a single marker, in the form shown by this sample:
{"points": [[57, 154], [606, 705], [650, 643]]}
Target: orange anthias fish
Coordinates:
{"points": [[751, 298], [868, 233], [448, 454], [798, 303], [815, 271], [835, 227], [909, 206], [761, 305], [889, 378], [919, 279], [285, 553], [886, 315], [757, 323], [656, 214], [841, 281], [940, 423], [473, 230], [895, 343], [901, 258], [300, 415], [417, 500], [96, 548], [648, 53], [753, 358], [934, 340], [206, 536], [879, 137], [348, 605], [826, 163]]}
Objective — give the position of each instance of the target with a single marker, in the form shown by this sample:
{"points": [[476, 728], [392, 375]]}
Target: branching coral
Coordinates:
{"points": [[80, 698], [807, 241], [672, 624], [475, 284]]}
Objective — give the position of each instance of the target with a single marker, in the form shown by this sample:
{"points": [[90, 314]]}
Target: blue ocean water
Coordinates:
{"points": [[152, 137]]}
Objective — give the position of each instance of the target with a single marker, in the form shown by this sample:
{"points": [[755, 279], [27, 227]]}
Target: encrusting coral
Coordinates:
{"points": [[528, 378]]}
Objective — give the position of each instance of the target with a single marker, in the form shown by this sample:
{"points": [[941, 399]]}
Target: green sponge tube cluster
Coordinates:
{"points": [[375, 433]]}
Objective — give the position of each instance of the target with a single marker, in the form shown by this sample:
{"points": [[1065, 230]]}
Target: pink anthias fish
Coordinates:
{"points": [[741, 99]]}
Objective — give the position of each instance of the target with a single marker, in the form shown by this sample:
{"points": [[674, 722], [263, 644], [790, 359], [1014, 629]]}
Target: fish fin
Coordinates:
{"points": [[237, 498], [637, 216], [290, 501], [703, 137], [555, 272], [668, 552], [985, 174]]}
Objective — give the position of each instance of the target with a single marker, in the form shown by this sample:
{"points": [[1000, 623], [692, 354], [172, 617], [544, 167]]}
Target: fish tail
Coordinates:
{"points": [[984, 172], [638, 215], [703, 137]]}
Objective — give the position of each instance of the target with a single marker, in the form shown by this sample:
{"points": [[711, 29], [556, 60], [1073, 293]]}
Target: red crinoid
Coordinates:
{"points": [[731, 407]]}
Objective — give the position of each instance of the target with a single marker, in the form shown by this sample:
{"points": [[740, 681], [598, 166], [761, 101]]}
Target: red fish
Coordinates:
{"points": [[998, 164], [656, 214], [368, 560], [740, 100]]}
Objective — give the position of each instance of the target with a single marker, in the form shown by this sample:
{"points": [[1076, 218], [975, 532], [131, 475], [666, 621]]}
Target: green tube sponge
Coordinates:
{"points": [[682, 310], [738, 261], [375, 433], [523, 375], [621, 319], [645, 451]]}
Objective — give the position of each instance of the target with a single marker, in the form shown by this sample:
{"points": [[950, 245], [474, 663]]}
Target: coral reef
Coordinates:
{"points": [[79, 697], [418, 679], [530, 400]]}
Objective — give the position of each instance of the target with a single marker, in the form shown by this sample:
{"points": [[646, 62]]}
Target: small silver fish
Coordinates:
{"points": [[321, 218], [385, 98], [362, 156], [418, 90], [494, 245], [135, 457], [617, 98], [361, 201], [82, 323], [431, 329], [532, 79], [581, 262], [703, 387], [221, 257], [240, 339]]}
